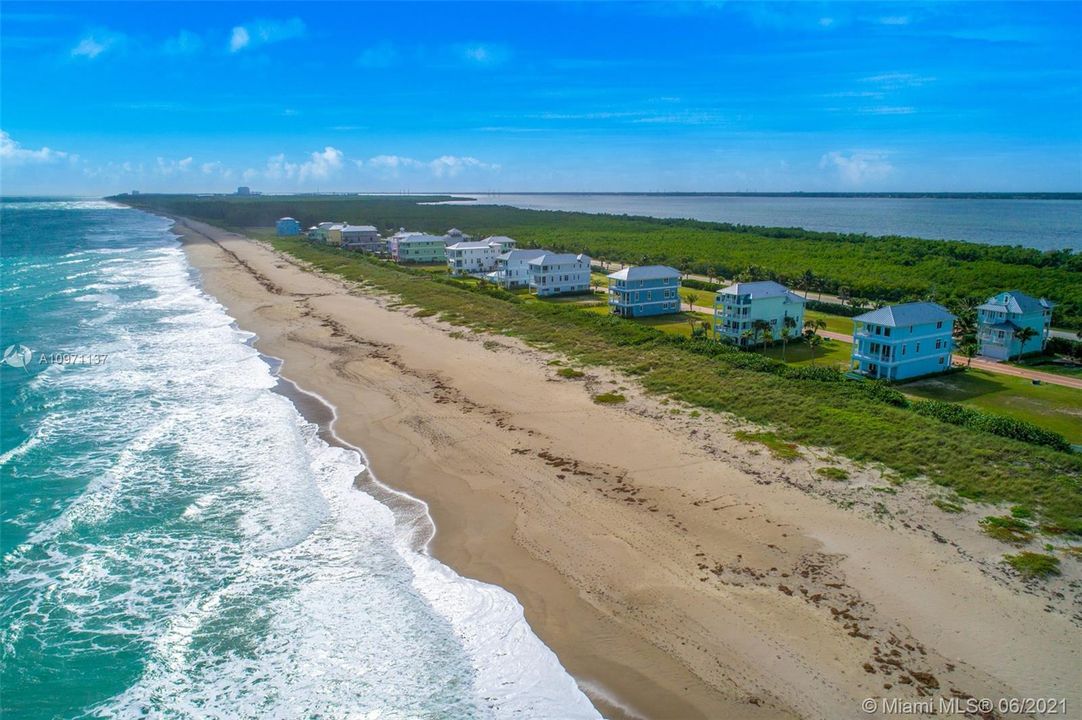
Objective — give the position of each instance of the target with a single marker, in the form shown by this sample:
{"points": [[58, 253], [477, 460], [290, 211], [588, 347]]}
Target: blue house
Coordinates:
{"points": [[645, 290], [287, 226], [1001, 318], [899, 342]]}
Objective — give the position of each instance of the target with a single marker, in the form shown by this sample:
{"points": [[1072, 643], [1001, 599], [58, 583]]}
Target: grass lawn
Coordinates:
{"points": [[1048, 364], [1050, 406], [673, 324], [703, 298], [830, 354], [835, 323]]}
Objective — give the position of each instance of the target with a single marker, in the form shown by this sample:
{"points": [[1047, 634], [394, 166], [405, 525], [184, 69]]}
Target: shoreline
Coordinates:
{"points": [[616, 589]]}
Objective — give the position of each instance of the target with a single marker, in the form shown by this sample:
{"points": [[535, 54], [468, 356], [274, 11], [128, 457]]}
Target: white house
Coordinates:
{"points": [[559, 274], [739, 306], [471, 258], [512, 268]]}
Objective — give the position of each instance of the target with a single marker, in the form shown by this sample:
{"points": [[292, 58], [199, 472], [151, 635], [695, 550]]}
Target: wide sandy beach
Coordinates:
{"points": [[676, 571]]}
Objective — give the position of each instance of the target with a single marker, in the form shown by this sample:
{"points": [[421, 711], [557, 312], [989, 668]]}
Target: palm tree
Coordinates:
{"points": [[689, 298], [806, 282], [1023, 335], [760, 327], [747, 336], [786, 331], [812, 326], [968, 351], [813, 344]]}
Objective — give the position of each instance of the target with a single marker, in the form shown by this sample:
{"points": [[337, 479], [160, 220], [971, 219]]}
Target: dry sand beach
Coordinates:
{"points": [[676, 571]]}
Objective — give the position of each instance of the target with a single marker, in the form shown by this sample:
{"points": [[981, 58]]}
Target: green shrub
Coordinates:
{"points": [[947, 506], [1033, 565], [570, 373], [833, 473], [609, 399], [778, 447], [700, 285], [975, 419], [1006, 529], [817, 373]]}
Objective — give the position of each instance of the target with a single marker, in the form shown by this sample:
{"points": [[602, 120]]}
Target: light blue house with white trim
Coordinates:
{"points": [[1000, 319], [739, 306], [900, 342], [645, 290], [287, 227]]}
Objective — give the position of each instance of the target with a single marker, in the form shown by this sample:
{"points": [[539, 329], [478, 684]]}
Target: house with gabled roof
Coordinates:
{"points": [[1000, 321]]}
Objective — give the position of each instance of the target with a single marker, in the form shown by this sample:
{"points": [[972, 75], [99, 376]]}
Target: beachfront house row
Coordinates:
{"points": [[749, 313], [512, 269], [476, 257], [559, 274], [417, 248], [1001, 318], [644, 290], [364, 238], [287, 227], [899, 342]]}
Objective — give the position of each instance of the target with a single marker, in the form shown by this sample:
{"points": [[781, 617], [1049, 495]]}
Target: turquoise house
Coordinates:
{"points": [[643, 291], [900, 342], [740, 308], [1002, 317], [288, 227]]}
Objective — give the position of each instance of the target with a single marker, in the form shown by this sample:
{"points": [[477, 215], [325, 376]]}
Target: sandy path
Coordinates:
{"points": [[670, 567]]}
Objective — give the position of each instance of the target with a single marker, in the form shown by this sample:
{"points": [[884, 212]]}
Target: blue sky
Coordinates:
{"points": [[100, 98]]}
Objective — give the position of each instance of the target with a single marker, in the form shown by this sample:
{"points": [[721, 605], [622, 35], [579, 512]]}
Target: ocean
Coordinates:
{"points": [[1040, 224], [179, 541]]}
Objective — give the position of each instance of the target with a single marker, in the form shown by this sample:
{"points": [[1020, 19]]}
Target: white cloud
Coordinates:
{"points": [[858, 168], [322, 165], [216, 168], [899, 79], [239, 39], [11, 153], [482, 54], [184, 42], [449, 165], [393, 162], [264, 32], [382, 55], [95, 43], [168, 168]]}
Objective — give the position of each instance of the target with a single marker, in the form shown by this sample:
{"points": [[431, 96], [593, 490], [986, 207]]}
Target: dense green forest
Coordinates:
{"points": [[879, 268]]}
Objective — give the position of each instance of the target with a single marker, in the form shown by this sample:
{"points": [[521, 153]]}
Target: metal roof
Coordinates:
{"points": [[914, 313], [1016, 301], [646, 272], [761, 289], [551, 257]]}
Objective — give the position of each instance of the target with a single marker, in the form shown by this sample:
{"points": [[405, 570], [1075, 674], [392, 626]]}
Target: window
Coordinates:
{"points": [[941, 360], [937, 344], [939, 325], [903, 349], [917, 349], [886, 332], [878, 330]]}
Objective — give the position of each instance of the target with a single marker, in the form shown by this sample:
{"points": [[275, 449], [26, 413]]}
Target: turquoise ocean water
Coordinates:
{"points": [[178, 541]]}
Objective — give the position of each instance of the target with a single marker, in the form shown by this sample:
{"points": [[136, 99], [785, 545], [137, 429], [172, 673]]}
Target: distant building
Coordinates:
{"points": [[1002, 317], [739, 306], [334, 233], [287, 227], [317, 234], [364, 238], [417, 248], [899, 342], [455, 235], [134, 192], [244, 190], [469, 257], [644, 290], [559, 274], [512, 269]]}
